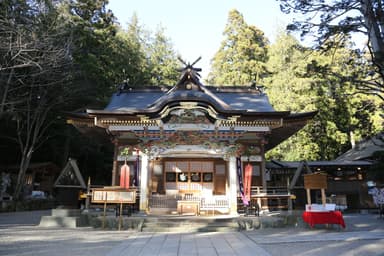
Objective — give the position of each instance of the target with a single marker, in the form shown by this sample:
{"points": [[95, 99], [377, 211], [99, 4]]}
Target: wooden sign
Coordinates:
{"points": [[113, 196], [315, 181]]}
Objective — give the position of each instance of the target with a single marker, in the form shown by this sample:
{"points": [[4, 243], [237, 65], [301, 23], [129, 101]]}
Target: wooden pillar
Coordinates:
{"points": [[308, 196], [323, 197], [263, 170], [144, 183], [115, 163], [232, 176]]}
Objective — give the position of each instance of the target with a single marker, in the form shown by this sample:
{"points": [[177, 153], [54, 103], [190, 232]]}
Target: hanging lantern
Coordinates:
{"points": [[124, 176], [248, 181]]}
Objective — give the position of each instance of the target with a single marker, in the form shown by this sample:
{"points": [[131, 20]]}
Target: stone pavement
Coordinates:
{"points": [[19, 235], [207, 244]]}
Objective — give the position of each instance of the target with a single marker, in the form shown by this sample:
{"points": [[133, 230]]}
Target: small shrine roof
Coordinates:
{"points": [[274, 164], [364, 149]]}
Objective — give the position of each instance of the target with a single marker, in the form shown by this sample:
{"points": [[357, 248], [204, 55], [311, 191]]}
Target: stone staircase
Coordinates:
{"points": [[189, 224], [66, 218], [72, 218]]}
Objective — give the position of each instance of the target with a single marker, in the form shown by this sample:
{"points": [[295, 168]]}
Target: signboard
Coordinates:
{"points": [[113, 196], [315, 181]]}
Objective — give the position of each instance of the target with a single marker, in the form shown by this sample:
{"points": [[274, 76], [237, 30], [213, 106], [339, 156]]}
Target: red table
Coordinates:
{"points": [[331, 217]]}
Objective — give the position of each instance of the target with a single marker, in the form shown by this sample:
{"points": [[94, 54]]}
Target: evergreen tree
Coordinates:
{"points": [[242, 54], [288, 89], [95, 48], [304, 80], [136, 37], [162, 60]]}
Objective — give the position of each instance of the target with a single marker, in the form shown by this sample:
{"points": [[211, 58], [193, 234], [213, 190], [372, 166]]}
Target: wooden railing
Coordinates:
{"points": [[258, 190], [164, 201], [214, 203], [272, 198]]}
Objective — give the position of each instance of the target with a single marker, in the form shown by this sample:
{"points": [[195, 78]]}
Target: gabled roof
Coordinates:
{"points": [[149, 100], [247, 104], [70, 176], [230, 99]]}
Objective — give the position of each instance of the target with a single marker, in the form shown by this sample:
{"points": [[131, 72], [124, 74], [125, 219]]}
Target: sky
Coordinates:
{"points": [[195, 27]]}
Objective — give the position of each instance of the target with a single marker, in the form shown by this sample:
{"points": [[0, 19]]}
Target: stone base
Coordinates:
{"points": [[66, 218]]}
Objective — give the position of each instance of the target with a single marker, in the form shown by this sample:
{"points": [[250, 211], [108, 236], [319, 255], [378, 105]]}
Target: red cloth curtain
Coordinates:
{"points": [[124, 176], [247, 181]]}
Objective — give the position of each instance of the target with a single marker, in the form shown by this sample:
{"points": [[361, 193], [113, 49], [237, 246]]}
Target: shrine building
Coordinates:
{"points": [[191, 141]]}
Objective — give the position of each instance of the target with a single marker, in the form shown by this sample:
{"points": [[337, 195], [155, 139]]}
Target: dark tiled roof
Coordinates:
{"points": [[364, 149], [128, 101], [295, 164], [142, 100], [247, 101]]}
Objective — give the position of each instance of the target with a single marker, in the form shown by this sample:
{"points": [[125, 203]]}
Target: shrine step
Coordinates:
{"points": [[189, 225]]}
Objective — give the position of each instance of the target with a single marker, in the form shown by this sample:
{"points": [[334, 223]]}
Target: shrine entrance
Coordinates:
{"points": [[188, 181], [186, 176]]}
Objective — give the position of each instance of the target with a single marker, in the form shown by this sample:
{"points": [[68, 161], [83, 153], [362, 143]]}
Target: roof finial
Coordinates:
{"points": [[189, 67]]}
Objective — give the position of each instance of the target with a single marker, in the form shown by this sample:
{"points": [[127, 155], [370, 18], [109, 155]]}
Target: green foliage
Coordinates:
{"points": [[162, 60], [63, 56], [35, 74], [93, 30], [242, 54], [135, 37], [305, 80], [287, 87], [329, 23], [156, 61], [149, 59]]}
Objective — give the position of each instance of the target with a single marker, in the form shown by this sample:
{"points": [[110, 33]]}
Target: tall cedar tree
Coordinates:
{"points": [[242, 54], [297, 85]]}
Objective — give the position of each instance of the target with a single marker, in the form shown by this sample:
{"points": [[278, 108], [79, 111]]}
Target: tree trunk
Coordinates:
{"points": [[5, 93], [372, 24], [67, 147], [24, 164], [352, 139]]}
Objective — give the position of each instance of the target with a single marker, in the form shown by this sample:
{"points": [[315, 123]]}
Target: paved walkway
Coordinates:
{"points": [[19, 235], [207, 244]]}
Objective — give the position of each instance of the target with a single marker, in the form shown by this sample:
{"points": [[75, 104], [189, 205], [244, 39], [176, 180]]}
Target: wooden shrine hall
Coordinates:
{"points": [[188, 146]]}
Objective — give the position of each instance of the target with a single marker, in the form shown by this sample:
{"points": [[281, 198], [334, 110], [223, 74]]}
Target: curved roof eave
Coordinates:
{"points": [[291, 125], [305, 115], [158, 109]]}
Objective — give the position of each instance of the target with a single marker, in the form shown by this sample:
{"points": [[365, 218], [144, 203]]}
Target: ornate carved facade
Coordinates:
{"points": [[187, 138]]}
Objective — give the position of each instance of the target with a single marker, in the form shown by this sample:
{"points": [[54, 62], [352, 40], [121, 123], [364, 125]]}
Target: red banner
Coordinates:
{"points": [[247, 181], [124, 176]]}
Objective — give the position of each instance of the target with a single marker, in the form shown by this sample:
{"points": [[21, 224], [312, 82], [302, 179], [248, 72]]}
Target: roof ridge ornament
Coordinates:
{"points": [[189, 67], [190, 78]]}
